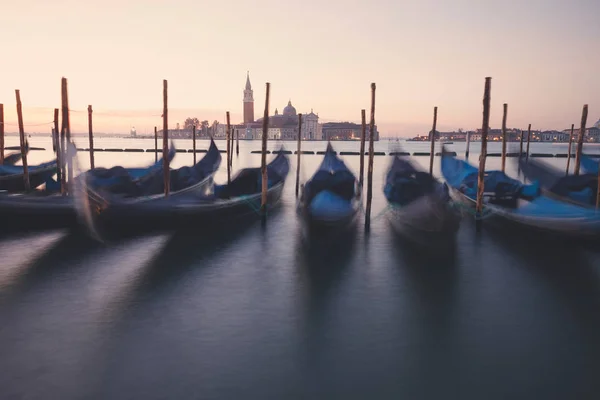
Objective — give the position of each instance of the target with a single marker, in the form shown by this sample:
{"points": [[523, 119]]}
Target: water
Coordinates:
{"points": [[254, 314]]}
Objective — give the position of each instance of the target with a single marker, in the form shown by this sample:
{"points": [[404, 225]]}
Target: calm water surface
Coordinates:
{"points": [[257, 314]]}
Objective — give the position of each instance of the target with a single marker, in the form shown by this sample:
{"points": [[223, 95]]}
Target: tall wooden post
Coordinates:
{"points": [[91, 133], [237, 142], [299, 151], [528, 142], [1, 134], [263, 158], [363, 135], [584, 114], [598, 192], [432, 138], [166, 167], [22, 138], [370, 167], [59, 154], [521, 144], [569, 151], [194, 142], [504, 137], [155, 144], [231, 147], [520, 153], [482, 157], [468, 145], [66, 134], [228, 149]]}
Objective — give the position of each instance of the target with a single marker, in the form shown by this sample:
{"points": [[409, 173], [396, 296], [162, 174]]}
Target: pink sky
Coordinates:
{"points": [[541, 54]]}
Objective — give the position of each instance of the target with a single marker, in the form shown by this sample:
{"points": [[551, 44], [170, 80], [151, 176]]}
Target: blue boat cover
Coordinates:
{"points": [[579, 188], [497, 185], [328, 204], [6, 170], [404, 183], [181, 178], [333, 176], [589, 165], [248, 181]]}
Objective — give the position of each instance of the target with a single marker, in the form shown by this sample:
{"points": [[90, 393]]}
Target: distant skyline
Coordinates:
{"points": [[323, 56]]}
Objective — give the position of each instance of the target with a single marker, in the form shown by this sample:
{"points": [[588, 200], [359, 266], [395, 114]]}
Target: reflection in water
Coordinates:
{"points": [[61, 255], [321, 265], [430, 275]]}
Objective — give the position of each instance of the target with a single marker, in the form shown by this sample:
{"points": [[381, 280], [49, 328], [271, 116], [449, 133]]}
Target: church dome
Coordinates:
{"points": [[597, 124], [289, 110]]}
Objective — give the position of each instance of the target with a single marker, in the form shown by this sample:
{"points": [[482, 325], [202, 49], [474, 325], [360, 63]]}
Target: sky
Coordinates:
{"points": [[542, 56]]}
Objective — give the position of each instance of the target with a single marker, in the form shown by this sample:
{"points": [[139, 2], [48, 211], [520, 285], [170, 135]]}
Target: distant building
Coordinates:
{"points": [[282, 126], [248, 101], [345, 131], [591, 134]]}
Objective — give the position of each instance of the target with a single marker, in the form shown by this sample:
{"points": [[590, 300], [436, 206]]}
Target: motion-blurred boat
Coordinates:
{"points": [[15, 157], [575, 189], [507, 201], [330, 199], [48, 209], [224, 205], [418, 203]]}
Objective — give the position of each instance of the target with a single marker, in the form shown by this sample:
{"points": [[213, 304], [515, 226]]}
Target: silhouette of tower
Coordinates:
{"points": [[248, 101]]}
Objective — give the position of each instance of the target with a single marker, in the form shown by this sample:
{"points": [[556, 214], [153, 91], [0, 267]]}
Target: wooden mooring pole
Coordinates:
{"points": [[598, 192], [237, 142], [299, 152], [569, 151], [22, 139], [505, 112], [155, 144], [59, 154], [1, 134], [228, 149], [432, 138], [482, 157], [263, 158], [520, 153], [370, 167], [528, 142], [194, 142], [521, 144], [468, 145], [91, 133], [66, 132], [166, 167], [362, 148], [230, 154], [584, 114]]}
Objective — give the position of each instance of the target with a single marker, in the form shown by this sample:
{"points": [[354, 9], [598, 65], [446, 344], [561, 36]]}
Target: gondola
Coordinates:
{"points": [[580, 189], [418, 203], [48, 209], [509, 203], [200, 213], [331, 198], [589, 164], [15, 157], [12, 176], [143, 185]]}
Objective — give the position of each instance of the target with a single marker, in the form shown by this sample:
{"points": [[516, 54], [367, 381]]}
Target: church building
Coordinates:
{"points": [[282, 126]]}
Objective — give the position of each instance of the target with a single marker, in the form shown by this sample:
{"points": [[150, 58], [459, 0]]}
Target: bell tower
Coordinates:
{"points": [[248, 101]]}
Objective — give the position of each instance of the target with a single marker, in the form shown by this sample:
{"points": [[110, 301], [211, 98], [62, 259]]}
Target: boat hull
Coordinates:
{"points": [[324, 226], [580, 224], [185, 213], [30, 212], [428, 217]]}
